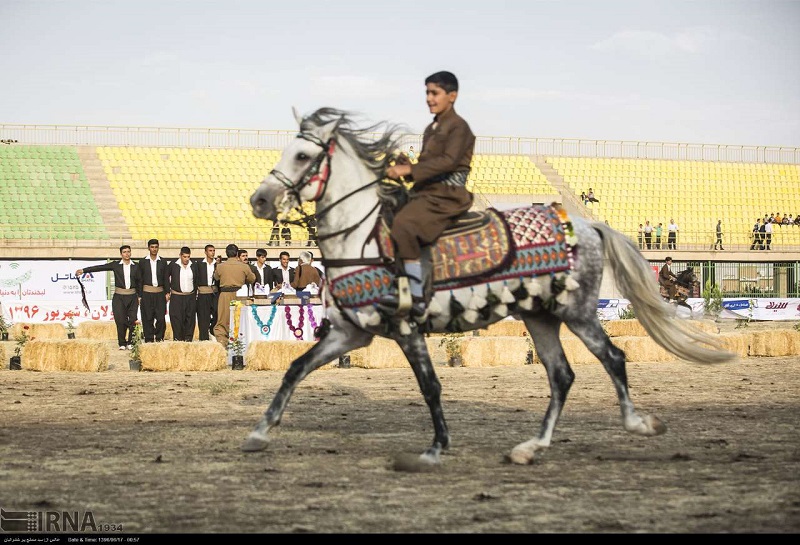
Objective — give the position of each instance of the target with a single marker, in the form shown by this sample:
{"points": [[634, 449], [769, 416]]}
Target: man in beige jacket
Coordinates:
{"points": [[232, 274]]}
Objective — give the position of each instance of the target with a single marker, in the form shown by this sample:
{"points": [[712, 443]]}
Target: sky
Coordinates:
{"points": [[711, 71]]}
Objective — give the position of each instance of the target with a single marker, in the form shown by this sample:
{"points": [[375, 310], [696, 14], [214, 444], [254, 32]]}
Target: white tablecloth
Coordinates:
{"points": [[253, 329]]}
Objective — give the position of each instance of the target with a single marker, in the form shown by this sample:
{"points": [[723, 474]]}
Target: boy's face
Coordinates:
{"points": [[438, 100]]}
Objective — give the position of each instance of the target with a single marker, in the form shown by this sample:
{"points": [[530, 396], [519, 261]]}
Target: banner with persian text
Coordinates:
{"points": [[44, 281]]}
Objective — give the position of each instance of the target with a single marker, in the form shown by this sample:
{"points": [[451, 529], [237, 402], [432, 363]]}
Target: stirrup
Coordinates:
{"points": [[403, 296]]}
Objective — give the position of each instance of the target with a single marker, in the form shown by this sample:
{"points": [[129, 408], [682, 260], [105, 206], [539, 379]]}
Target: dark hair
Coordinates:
{"points": [[284, 253], [668, 258], [209, 246], [152, 241], [240, 252], [123, 247], [261, 252], [446, 80], [231, 250], [185, 250]]}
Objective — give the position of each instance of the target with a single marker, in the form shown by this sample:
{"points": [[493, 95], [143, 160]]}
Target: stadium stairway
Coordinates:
{"points": [[103, 194], [569, 199]]}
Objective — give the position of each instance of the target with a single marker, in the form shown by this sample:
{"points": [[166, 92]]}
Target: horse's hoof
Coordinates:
{"points": [[254, 443], [655, 424], [413, 464], [521, 456]]}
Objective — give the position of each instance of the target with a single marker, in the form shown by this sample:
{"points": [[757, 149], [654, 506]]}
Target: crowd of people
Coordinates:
{"points": [[763, 229], [650, 237], [198, 292]]}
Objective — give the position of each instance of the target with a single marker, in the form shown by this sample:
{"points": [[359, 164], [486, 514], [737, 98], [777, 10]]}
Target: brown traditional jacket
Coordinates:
{"points": [[233, 274], [446, 148]]}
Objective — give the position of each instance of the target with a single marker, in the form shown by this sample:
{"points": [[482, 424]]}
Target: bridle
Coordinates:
{"points": [[313, 175]]}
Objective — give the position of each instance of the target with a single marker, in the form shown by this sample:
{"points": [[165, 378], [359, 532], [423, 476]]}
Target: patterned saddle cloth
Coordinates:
{"points": [[480, 247]]}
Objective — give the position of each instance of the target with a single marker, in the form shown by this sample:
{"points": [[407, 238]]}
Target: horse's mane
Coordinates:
{"points": [[377, 145]]}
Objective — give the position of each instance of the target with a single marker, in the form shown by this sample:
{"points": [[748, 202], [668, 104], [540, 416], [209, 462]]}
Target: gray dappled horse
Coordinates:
{"points": [[532, 263]]}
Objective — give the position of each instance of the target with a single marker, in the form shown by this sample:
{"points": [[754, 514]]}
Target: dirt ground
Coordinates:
{"points": [[159, 452]]}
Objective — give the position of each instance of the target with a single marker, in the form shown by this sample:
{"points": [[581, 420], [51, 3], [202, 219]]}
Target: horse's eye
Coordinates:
{"points": [[302, 157]]}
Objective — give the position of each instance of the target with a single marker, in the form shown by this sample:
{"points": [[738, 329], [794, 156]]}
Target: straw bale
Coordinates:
{"points": [[65, 355], [507, 327], [381, 354], [736, 342], [39, 331], [707, 326], [642, 349], [183, 356], [576, 351], [276, 355], [625, 328], [778, 342], [105, 331], [3, 352], [494, 351]]}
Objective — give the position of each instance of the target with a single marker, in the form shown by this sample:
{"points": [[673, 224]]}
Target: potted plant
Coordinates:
{"points": [[452, 347], [5, 325], [135, 361], [236, 346], [21, 340], [529, 352], [71, 327]]}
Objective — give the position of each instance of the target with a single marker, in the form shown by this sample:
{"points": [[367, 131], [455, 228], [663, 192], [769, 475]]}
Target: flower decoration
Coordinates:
{"points": [[22, 339], [236, 344]]}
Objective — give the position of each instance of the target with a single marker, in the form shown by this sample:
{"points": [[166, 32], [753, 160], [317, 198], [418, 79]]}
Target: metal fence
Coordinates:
{"points": [[77, 135], [743, 279]]}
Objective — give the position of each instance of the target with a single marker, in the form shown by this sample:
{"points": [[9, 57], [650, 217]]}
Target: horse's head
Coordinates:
{"points": [[301, 174]]}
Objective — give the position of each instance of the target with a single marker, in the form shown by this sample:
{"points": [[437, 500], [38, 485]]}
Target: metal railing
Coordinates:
{"points": [[170, 137]]}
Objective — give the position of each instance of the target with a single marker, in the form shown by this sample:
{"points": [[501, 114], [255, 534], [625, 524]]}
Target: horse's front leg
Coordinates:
{"points": [[416, 351], [342, 338]]}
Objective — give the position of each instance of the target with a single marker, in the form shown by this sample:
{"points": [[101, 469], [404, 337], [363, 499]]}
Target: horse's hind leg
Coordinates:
{"points": [[416, 351], [596, 340], [340, 339], [544, 331]]}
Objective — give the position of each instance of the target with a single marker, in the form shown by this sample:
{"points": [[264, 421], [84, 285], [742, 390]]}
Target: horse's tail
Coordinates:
{"points": [[634, 277]]}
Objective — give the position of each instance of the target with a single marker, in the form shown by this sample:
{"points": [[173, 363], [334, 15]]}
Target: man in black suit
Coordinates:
{"points": [[262, 270], [283, 274], [207, 292], [182, 286], [153, 293], [124, 303]]}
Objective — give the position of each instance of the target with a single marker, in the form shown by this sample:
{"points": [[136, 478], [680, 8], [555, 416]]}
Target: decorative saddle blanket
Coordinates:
{"points": [[522, 242]]}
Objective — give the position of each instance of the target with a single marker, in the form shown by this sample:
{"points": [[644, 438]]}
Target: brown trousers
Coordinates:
{"points": [[430, 211], [222, 328]]}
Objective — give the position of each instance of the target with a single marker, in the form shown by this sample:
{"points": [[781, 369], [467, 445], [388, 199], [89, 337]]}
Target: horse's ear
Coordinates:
{"points": [[297, 116], [326, 131]]}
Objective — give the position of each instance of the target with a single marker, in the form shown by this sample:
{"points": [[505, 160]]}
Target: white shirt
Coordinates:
{"points": [[187, 278], [285, 272], [672, 227], [261, 270], [153, 269], [210, 271], [126, 272]]}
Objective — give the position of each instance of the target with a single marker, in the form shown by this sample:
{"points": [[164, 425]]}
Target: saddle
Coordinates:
{"points": [[475, 245]]}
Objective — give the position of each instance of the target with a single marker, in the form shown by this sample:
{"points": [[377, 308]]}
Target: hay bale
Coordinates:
{"points": [[576, 351], [494, 351], [66, 355], [3, 356], [642, 349], [625, 328], [101, 331], [183, 356], [382, 354], [707, 326], [773, 343], [736, 342], [39, 331], [507, 327], [277, 355]]}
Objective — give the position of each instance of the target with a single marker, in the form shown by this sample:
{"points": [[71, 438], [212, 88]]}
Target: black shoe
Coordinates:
{"points": [[391, 301]]}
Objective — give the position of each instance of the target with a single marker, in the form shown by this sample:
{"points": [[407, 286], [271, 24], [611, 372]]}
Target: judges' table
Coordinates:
{"points": [[289, 320]]}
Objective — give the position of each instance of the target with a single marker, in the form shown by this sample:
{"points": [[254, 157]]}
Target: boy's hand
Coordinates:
{"points": [[398, 171]]}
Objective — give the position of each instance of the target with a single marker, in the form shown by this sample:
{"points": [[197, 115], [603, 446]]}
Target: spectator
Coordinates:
{"points": [[583, 198], [648, 235], [672, 235], [640, 237], [768, 236], [275, 234], [787, 219], [311, 227], [659, 230], [756, 235], [590, 196], [719, 236], [412, 155], [286, 234]]}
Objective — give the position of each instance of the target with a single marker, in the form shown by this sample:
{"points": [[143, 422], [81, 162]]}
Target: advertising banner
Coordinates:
{"points": [[42, 281]]}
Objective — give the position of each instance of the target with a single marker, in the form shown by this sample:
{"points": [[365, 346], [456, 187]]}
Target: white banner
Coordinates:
{"points": [[43, 281], [56, 312]]}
